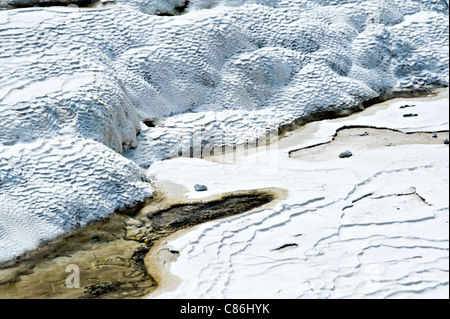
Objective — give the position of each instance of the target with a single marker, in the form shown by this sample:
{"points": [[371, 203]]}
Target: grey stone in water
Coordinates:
{"points": [[410, 115], [345, 154], [200, 188], [446, 141]]}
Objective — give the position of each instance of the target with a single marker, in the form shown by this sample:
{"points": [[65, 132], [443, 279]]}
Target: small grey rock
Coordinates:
{"points": [[435, 136], [345, 154], [410, 115], [446, 141], [200, 188]]}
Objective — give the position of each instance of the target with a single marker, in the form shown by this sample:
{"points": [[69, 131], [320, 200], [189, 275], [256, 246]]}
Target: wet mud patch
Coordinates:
{"points": [[359, 138], [111, 254]]}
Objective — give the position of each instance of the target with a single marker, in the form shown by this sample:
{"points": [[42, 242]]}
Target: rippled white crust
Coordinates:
{"points": [[246, 68], [50, 186], [228, 72], [371, 226]]}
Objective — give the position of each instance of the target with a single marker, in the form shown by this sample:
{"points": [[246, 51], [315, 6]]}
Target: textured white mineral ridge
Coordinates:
{"points": [[77, 85]]}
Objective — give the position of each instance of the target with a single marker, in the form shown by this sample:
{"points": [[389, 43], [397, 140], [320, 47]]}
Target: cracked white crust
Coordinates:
{"points": [[371, 226], [91, 76]]}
